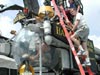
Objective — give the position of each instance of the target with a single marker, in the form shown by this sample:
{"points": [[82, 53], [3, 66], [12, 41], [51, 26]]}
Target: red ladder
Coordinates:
{"points": [[65, 16], [68, 38]]}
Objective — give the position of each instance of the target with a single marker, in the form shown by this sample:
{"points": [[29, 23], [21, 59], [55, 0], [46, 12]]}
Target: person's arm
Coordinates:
{"points": [[78, 8], [77, 3], [75, 25]]}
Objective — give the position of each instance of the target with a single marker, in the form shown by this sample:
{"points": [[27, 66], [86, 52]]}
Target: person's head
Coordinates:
{"points": [[70, 1], [73, 11]]}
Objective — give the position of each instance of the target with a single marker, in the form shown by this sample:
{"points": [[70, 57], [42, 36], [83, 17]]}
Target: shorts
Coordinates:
{"points": [[82, 33]]}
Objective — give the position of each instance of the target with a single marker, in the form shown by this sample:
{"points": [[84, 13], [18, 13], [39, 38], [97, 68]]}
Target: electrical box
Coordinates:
{"points": [[4, 48]]}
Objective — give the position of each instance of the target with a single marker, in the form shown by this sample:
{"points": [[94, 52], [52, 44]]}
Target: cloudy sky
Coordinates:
{"points": [[91, 12]]}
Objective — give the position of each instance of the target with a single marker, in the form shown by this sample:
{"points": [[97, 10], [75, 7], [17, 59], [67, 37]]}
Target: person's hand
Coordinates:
{"points": [[69, 24], [71, 33]]}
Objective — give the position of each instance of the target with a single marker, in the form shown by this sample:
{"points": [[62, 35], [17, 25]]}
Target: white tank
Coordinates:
{"points": [[47, 32]]}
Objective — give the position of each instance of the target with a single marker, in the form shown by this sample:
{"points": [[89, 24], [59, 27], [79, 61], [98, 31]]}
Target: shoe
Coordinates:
{"points": [[85, 63], [81, 52]]}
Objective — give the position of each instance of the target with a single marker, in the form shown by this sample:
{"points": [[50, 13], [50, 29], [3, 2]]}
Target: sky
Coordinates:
{"points": [[91, 13]]}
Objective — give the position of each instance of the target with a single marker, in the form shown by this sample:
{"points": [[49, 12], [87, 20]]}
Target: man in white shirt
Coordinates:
{"points": [[81, 31]]}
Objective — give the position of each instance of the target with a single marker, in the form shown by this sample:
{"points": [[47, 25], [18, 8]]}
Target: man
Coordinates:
{"points": [[76, 4], [80, 30]]}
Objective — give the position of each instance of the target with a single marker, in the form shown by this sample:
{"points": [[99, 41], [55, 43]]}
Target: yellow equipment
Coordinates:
{"points": [[24, 71], [46, 11]]}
